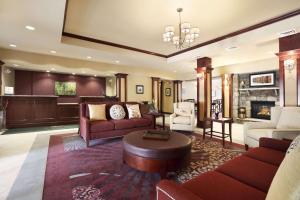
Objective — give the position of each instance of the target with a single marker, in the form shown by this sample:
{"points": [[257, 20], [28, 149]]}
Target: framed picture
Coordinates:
{"points": [[168, 92], [262, 79], [65, 88], [139, 89]]}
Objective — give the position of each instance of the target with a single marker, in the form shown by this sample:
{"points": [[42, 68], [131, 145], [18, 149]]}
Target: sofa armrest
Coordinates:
{"points": [[169, 190], [150, 117], [279, 145], [84, 128], [259, 125]]}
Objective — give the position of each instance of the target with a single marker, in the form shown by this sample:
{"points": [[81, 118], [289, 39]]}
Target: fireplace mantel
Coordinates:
{"points": [[276, 89]]}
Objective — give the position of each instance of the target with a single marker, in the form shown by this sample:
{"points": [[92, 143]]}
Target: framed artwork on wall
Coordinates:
{"points": [[266, 79], [139, 89], [168, 92]]}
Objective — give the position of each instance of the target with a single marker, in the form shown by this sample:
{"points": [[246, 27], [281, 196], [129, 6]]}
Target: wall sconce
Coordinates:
{"points": [[289, 65], [226, 80], [200, 75]]}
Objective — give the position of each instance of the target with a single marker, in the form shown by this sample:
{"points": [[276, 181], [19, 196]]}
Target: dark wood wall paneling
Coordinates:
{"points": [[42, 83]]}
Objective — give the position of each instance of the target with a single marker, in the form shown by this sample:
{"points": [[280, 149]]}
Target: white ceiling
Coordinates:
{"points": [[142, 28]]}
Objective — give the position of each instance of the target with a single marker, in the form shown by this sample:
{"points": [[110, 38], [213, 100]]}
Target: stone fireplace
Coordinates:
{"points": [[253, 100], [261, 109]]}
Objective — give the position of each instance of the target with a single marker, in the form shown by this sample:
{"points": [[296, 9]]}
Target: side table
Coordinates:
{"points": [[224, 135], [156, 115]]}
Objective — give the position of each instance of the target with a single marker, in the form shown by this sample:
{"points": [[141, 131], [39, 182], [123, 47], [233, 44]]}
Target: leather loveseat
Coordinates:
{"points": [[246, 177], [110, 128]]}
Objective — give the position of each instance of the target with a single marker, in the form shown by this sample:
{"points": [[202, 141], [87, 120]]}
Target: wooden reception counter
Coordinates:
{"points": [[42, 110]]}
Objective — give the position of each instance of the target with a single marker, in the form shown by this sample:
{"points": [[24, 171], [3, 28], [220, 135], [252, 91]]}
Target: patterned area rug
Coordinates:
{"points": [[98, 173]]}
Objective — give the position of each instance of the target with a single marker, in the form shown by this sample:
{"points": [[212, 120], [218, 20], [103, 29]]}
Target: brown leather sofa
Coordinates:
{"points": [[246, 177], [90, 130]]}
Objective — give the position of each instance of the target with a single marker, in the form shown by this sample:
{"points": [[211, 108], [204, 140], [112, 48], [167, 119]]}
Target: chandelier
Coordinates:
{"points": [[187, 34]]}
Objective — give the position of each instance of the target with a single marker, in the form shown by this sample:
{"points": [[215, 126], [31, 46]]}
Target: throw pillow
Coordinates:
{"points": [[133, 111], [182, 112], [117, 112], [97, 112], [286, 183], [295, 145], [286, 115]]}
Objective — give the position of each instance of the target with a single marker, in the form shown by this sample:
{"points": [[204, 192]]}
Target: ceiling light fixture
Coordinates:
{"points": [[95, 75], [31, 28], [13, 45], [89, 57], [16, 65], [73, 73], [117, 61], [187, 33], [231, 48], [52, 51], [48, 71]]}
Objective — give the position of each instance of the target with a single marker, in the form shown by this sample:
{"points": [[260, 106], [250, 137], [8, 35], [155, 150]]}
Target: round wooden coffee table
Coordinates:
{"points": [[156, 155]]}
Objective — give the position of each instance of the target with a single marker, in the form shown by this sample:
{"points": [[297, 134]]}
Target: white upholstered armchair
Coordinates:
{"points": [[183, 117], [284, 124]]}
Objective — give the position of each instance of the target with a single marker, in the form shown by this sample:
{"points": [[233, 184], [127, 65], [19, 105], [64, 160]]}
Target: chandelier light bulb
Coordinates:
{"points": [[185, 27]]}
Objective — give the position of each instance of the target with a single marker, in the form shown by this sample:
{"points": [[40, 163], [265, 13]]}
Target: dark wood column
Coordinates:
{"points": [[289, 70], [177, 91], [1, 63], [121, 86], [156, 92], [227, 95], [204, 79]]}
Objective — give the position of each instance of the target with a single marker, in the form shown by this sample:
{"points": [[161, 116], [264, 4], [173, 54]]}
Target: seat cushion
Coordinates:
{"points": [[182, 120], [103, 125], [124, 124], [258, 133], [141, 122], [267, 155], [250, 171], [217, 186]]}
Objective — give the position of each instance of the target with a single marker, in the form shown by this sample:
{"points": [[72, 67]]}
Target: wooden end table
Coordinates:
{"points": [[224, 135], [157, 115]]}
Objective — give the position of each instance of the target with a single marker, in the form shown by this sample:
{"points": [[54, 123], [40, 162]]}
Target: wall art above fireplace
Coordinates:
{"points": [[262, 79]]}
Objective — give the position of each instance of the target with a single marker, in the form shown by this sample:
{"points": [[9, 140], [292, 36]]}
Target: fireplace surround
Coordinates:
{"points": [[261, 109]]}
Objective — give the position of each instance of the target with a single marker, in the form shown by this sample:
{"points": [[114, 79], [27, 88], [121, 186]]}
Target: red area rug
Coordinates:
{"points": [[98, 173]]}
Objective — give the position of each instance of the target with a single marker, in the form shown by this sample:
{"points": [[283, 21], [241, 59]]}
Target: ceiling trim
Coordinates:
{"points": [[89, 39], [241, 31], [229, 35]]}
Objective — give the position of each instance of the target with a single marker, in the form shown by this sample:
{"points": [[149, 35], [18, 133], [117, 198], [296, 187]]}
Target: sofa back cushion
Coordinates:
{"points": [[286, 183], [289, 118], [97, 112]]}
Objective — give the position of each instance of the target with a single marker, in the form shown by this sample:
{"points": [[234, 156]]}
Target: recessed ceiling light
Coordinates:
{"points": [[231, 48], [73, 73], [117, 61], [48, 71], [31, 28], [52, 51], [89, 57], [13, 45], [16, 65], [95, 75]]}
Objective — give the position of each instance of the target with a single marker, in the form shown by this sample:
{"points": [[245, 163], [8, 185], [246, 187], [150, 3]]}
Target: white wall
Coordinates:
{"points": [[189, 90]]}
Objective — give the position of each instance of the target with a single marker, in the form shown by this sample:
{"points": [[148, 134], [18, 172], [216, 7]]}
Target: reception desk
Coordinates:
{"points": [[38, 110]]}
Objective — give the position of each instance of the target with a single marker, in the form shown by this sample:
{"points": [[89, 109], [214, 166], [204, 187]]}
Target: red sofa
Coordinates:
{"points": [[90, 130], [247, 177]]}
